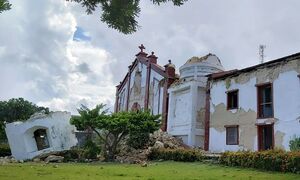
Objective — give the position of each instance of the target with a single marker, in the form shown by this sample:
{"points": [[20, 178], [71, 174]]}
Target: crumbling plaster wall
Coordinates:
{"points": [[286, 99], [186, 112], [61, 135]]}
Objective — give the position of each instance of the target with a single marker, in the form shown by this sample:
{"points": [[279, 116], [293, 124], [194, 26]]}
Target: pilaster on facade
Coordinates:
{"points": [[128, 88], [147, 85]]}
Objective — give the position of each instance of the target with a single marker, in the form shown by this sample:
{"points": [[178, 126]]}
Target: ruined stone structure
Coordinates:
{"points": [[41, 134], [255, 108]]}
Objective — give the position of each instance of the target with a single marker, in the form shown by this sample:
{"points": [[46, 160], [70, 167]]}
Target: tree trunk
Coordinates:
{"points": [[112, 149]]}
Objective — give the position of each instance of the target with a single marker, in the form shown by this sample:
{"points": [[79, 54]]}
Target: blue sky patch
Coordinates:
{"points": [[81, 35]]}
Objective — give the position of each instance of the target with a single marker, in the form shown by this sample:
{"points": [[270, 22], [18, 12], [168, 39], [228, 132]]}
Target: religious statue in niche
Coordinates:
{"points": [[137, 83], [135, 107]]}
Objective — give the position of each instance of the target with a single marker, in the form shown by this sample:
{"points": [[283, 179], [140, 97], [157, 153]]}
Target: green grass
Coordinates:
{"points": [[155, 170]]}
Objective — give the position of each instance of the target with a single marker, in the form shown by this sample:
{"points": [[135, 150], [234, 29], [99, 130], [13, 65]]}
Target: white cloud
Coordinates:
{"points": [[39, 60], [44, 64]]}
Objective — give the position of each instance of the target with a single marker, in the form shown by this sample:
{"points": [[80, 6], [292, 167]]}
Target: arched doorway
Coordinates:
{"points": [[41, 139]]}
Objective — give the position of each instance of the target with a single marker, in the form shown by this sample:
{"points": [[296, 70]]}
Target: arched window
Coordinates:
{"points": [[40, 136]]}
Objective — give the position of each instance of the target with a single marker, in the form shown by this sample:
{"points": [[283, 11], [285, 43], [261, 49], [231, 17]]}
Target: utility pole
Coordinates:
{"points": [[262, 53]]}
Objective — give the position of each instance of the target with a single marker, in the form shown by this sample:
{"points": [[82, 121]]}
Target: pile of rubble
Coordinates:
{"points": [[9, 159], [47, 159], [158, 139]]}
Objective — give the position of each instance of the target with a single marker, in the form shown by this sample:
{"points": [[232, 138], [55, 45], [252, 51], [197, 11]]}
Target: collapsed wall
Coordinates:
{"points": [[41, 134]]}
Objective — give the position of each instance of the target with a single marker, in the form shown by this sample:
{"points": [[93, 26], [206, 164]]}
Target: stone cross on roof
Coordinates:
{"points": [[142, 47]]}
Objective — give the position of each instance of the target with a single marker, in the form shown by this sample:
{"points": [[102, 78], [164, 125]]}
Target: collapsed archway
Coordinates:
{"points": [[41, 139]]}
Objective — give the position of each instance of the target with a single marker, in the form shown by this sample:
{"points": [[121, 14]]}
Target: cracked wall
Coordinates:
{"points": [[246, 120], [200, 118], [268, 74]]}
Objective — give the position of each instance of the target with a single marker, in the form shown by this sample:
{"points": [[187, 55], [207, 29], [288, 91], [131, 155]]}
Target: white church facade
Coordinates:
{"points": [[255, 108]]}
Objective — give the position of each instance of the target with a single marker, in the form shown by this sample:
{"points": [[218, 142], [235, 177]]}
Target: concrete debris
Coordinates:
{"points": [[166, 139], [53, 158], [144, 164], [36, 160], [158, 145], [158, 139], [8, 159]]}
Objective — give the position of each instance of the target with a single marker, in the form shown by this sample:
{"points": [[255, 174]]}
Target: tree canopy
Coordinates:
{"points": [[4, 5], [120, 14], [16, 109], [113, 128], [117, 14]]}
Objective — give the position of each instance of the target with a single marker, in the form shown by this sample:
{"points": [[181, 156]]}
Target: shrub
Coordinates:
{"points": [[4, 150], [90, 150], [141, 124], [73, 154], [295, 144], [138, 139], [186, 155], [272, 160]]}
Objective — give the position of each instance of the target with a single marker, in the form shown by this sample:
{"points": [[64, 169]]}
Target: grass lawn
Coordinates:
{"points": [[155, 170]]}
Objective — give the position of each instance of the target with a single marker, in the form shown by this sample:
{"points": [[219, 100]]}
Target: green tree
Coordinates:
{"points": [[4, 5], [112, 129], [120, 14], [16, 109], [140, 127], [295, 143]]}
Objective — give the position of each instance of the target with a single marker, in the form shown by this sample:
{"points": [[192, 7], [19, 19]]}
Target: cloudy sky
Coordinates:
{"points": [[55, 55]]}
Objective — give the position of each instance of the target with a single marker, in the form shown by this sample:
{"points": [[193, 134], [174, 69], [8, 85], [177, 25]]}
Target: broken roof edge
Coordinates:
{"points": [[236, 72], [37, 116], [198, 59]]}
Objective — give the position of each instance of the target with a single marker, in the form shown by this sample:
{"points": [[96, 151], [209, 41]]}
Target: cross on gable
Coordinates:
{"points": [[142, 47]]}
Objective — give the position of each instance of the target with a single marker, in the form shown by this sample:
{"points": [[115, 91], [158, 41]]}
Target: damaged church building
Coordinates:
{"points": [[41, 134], [255, 108]]}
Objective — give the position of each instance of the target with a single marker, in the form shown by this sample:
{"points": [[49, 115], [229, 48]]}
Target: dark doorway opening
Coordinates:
{"points": [[41, 139], [265, 137]]}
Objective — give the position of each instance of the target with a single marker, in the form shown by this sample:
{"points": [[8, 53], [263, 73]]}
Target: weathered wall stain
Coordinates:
{"points": [[266, 74], [245, 119], [200, 119], [279, 139]]}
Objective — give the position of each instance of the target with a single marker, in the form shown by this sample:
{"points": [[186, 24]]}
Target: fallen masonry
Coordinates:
{"points": [[158, 139]]}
